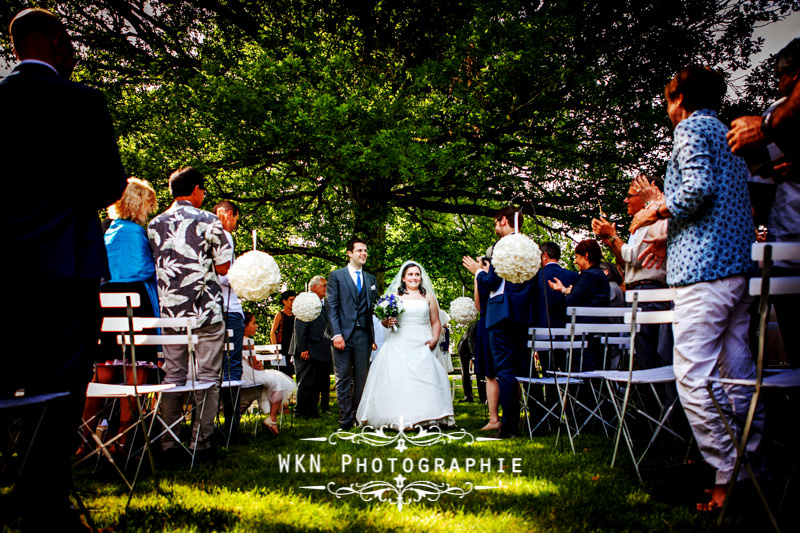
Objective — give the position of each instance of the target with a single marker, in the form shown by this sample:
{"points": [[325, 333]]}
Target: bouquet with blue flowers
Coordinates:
{"points": [[390, 306]]}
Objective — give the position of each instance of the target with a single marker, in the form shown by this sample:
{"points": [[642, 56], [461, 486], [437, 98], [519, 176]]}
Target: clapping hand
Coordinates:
{"points": [[603, 228], [556, 285], [648, 192], [655, 254], [745, 133], [473, 266]]}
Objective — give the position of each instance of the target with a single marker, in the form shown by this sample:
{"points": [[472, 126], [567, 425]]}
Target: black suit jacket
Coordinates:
{"points": [[342, 302], [60, 166], [313, 336], [550, 300]]}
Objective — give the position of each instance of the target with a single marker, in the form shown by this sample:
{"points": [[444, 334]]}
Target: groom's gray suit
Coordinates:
{"points": [[350, 315]]}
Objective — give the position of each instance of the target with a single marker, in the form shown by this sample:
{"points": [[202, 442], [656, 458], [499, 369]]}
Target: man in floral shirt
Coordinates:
{"points": [[190, 249]]}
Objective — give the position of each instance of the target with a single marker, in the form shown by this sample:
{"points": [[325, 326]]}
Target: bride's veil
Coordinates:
{"points": [[426, 280]]}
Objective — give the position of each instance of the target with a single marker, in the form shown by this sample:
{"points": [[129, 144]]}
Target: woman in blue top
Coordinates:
{"points": [[130, 260], [132, 269]]}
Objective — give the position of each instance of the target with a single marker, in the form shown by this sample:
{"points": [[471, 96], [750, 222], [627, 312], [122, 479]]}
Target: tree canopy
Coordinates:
{"points": [[403, 121]]}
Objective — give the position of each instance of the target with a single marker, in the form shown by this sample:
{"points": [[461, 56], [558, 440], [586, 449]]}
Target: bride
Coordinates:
{"points": [[406, 384]]}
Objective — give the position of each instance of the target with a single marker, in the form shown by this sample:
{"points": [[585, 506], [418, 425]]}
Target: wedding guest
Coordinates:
{"points": [[276, 387], [228, 214], [710, 234], [62, 165], [130, 261], [780, 124], [551, 305], [775, 164], [484, 362], [312, 355], [509, 315], [653, 342], [616, 296], [132, 270], [590, 290], [466, 348], [283, 329], [203, 254]]}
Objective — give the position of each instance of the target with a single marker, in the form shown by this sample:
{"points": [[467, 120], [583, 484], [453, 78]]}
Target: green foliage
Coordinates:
{"points": [[404, 122]]}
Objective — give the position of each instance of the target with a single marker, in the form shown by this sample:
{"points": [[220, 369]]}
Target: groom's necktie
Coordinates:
{"points": [[358, 280]]}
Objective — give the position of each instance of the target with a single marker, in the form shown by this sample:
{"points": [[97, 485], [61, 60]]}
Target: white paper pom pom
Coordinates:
{"points": [[306, 307], [255, 275], [463, 311], [516, 258]]}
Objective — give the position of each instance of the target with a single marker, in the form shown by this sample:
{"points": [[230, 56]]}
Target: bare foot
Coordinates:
{"points": [[492, 426], [716, 500]]}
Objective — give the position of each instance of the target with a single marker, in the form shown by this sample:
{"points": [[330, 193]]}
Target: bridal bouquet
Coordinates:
{"points": [[390, 306]]}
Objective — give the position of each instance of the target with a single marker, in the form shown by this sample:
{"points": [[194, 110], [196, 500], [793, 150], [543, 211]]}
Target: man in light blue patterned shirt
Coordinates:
{"points": [[710, 234]]}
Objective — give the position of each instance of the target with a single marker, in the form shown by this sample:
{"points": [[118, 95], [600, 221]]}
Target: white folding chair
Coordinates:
{"points": [[634, 317], [764, 287], [547, 340], [609, 334], [192, 388]]}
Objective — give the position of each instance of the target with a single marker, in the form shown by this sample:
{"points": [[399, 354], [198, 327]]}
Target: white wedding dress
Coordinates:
{"points": [[405, 381]]}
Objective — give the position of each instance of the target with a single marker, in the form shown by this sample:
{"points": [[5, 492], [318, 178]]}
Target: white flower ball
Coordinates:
{"points": [[463, 311], [306, 307], [516, 258], [255, 275]]}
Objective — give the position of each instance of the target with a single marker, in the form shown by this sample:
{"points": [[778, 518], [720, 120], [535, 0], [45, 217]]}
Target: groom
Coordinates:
{"points": [[351, 295]]}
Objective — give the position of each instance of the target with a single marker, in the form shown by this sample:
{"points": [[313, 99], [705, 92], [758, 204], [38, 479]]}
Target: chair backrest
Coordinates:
{"points": [[608, 312], [119, 299], [650, 295], [781, 251], [114, 323]]}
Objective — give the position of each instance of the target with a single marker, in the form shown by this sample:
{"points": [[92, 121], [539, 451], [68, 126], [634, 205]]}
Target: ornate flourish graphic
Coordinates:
{"points": [[398, 493], [398, 435]]}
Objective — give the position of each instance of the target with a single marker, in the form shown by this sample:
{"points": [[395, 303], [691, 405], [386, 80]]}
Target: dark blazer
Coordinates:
{"points": [[514, 305], [591, 290], [342, 302], [549, 300], [61, 165], [313, 336]]}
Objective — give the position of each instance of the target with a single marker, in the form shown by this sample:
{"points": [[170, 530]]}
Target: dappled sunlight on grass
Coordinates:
{"points": [[246, 489]]}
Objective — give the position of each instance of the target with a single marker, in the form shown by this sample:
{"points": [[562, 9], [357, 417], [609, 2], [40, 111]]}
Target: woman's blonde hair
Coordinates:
{"points": [[138, 201]]}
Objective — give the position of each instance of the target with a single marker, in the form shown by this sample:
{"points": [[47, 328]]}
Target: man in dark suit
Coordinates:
{"points": [[351, 294], [551, 305], [508, 317], [62, 162], [312, 356]]}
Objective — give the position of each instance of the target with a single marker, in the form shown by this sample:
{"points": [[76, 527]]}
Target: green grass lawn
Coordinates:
{"points": [[245, 490]]}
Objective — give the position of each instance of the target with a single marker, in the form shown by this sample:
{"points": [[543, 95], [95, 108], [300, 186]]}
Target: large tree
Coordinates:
{"points": [[405, 121]]}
